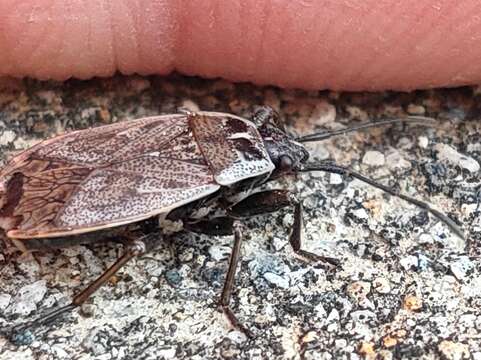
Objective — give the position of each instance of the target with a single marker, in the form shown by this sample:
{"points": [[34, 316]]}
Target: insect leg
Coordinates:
{"points": [[218, 226], [268, 201], [22, 334], [134, 249], [258, 203], [295, 239], [266, 114], [230, 279], [262, 202]]}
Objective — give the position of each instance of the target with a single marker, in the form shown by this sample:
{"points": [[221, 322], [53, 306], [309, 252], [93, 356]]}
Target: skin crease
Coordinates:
{"points": [[310, 44]]}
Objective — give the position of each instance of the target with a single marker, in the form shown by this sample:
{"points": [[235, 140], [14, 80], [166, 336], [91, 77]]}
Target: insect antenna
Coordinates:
{"points": [[421, 120], [341, 170]]}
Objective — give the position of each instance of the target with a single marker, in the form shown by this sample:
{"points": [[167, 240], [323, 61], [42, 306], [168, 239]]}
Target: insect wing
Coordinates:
{"points": [[103, 177], [232, 146]]}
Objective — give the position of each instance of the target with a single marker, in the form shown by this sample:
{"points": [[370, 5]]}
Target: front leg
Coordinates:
{"points": [[262, 202], [264, 115], [272, 200], [218, 226], [295, 239], [258, 203]]}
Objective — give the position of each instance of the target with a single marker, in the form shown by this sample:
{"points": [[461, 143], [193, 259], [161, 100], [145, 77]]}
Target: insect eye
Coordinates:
{"points": [[286, 162]]}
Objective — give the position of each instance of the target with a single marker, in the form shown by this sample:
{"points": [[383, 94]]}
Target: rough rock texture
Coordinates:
{"points": [[407, 287]]}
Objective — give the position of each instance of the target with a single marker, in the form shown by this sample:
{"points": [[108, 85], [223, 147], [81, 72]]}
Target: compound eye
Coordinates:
{"points": [[286, 162]]}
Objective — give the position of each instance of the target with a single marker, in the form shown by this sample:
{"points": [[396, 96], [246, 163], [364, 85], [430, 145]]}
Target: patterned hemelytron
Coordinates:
{"points": [[136, 194], [131, 195], [104, 177], [125, 172], [232, 147], [105, 144]]}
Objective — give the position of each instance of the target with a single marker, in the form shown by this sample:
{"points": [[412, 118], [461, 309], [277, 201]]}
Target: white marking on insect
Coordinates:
{"points": [[243, 135]]}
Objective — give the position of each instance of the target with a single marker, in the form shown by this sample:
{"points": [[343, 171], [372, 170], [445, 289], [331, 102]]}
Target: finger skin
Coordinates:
{"points": [[312, 44], [57, 39]]}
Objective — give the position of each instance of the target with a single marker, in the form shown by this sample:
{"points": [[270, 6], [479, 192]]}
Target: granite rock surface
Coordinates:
{"points": [[406, 287]]}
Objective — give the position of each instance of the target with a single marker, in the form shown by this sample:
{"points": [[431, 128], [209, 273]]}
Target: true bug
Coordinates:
{"points": [[203, 169]]}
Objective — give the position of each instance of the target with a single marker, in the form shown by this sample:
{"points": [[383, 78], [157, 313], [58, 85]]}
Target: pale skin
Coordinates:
{"points": [[310, 44]]}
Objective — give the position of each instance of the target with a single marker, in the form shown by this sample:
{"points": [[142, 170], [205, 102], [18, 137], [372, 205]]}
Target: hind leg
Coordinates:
{"points": [[22, 334]]}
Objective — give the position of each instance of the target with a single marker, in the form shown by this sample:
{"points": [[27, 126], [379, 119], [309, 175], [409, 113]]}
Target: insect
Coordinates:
{"points": [[204, 170]]}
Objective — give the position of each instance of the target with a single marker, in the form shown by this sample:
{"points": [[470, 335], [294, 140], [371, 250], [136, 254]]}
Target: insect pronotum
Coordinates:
{"points": [[204, 169]]}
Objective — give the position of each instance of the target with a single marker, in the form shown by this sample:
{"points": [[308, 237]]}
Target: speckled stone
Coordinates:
{"points": [[373, 158], [406, 287], [449, 154]]}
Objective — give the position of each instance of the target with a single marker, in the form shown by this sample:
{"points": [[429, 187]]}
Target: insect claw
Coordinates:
{"points": [[235, 323], [237, 226], [293, 199], [309, 257]]}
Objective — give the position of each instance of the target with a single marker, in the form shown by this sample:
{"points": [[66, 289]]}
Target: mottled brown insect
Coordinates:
{"points": [[203, 169]]}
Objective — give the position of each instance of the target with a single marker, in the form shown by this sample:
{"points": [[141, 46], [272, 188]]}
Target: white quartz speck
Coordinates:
{"points": [[277, 280], [335, 179], [423, 142], [447, 153], [4, 301], [7, 137], [373, 158], [28, 296]]}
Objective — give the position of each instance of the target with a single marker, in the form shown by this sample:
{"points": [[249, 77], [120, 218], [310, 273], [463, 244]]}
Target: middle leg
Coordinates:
{"points": [[230, 280]]}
